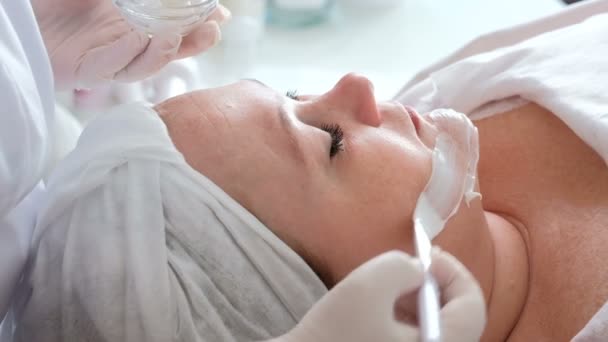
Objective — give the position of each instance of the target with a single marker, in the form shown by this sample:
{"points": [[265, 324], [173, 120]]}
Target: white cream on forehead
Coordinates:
{"points": [[453, 177]]}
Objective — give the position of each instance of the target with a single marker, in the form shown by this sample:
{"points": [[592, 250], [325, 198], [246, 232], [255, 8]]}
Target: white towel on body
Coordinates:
{"points": [[564, 70]]}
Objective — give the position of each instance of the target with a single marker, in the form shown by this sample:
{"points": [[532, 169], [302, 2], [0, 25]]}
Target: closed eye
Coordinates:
{"points": [[335, 131], [337, 138]]}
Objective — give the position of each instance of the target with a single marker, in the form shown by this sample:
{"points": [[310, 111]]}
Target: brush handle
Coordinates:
{"points": [[428, 310]]}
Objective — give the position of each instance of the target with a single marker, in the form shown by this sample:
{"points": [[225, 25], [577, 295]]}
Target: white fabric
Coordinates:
{"points": [[597, 328], [26, 114], [510, 36], [132, 244], [534, 69], [66, 131], [564, 70]]}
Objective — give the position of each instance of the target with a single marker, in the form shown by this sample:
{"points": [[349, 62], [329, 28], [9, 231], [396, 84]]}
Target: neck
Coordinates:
{"points": [[509, 288]]}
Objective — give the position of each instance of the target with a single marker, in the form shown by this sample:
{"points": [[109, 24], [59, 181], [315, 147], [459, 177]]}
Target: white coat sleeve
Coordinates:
{"points": [[26, 114], [25, 117]]}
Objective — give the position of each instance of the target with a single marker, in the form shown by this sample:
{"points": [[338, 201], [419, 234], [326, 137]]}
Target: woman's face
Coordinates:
{"points": [[335, 176]]}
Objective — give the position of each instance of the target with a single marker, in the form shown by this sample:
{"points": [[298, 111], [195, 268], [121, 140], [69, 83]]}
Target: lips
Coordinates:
{"points": [[414, 116]]}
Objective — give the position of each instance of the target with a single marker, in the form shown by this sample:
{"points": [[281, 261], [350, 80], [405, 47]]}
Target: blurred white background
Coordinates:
{"points": [[387, 44]]}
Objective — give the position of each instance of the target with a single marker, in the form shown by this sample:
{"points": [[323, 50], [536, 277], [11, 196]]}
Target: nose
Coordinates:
{"points": [[355, 94]]}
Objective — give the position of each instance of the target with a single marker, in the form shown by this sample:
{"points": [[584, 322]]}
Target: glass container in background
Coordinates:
{"points": [[297, 13], [165, 16]]}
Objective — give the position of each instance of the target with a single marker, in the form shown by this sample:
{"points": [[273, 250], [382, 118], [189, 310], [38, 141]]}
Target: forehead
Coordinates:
{"points": [[210, 113], [246, 99], [250, 90], [223, 126], [249, 102], [215, 108]]}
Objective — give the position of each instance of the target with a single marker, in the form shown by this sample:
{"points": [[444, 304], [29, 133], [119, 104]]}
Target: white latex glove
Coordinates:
{"points": [[89, 42], [366, 304]]}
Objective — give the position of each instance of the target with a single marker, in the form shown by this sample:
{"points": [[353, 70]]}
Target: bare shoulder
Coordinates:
{"points": [[532, 147], [534, 168]]}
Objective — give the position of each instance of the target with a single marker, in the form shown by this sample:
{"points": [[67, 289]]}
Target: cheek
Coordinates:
{"points": [[388, 177], [280, 198], [369, 210]]}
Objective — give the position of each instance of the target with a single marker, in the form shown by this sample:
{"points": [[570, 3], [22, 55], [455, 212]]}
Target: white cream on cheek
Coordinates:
{"points": [[453, 176]]}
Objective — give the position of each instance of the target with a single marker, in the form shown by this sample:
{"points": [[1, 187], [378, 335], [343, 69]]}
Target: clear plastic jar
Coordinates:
{"points": [[166, 16]]}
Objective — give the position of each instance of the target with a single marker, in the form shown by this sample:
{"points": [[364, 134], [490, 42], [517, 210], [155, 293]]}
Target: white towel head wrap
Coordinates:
{"points": [[132, 244]]}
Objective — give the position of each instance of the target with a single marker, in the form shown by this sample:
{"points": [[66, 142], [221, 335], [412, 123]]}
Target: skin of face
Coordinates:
{"points": [[273, 155]]}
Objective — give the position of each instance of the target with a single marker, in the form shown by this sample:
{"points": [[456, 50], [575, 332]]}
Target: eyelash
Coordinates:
{"points": [[335, 131], [337, 138], [293, 94]]}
